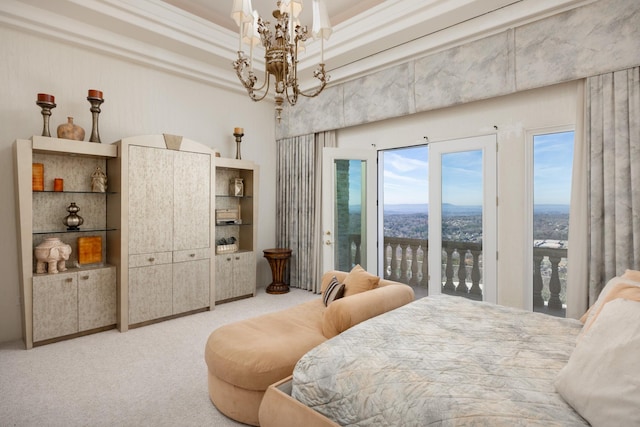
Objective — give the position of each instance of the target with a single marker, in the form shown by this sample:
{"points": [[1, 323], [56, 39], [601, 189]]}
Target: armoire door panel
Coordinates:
{"points": [[150, 200], [192, 203], [150, 293], [190, 285]]}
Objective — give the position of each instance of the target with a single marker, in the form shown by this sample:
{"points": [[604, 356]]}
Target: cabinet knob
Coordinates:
{"points": [[152, 259], [228, 258], [85, 277], [237, 257], [68, 280], [192, 255]]}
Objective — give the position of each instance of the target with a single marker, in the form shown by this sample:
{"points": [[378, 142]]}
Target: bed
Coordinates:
{"points": [[442, 360]]}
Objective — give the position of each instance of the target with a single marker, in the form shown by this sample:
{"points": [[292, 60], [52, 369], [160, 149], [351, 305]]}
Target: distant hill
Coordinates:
{"points": [[451, 209], [447, 209], [406, 208], [559, 209]]}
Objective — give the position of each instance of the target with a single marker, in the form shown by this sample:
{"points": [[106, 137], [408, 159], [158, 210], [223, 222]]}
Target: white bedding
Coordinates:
{"points": [[442, 361]]}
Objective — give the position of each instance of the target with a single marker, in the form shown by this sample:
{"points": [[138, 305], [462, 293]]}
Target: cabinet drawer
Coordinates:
{"points": [[191, 255], [145, 260]]}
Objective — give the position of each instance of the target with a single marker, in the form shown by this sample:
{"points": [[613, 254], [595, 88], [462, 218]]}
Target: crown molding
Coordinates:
{"points": [[159, 35]]}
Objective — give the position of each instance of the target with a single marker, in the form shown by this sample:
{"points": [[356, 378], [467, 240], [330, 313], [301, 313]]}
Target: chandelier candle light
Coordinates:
{"points": [[281, 49]]}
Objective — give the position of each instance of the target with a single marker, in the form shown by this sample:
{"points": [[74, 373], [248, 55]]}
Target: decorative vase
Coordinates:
{"points": [[70, 131], [73, 221]]}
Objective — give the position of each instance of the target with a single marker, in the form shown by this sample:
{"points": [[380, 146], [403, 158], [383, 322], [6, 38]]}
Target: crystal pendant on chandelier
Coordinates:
{"points": [[281, 45]]}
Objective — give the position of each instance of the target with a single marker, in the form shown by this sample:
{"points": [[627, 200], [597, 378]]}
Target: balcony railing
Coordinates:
{"points": [[405, 261]]}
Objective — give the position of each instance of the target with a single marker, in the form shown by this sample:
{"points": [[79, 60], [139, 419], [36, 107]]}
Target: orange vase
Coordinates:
{"points": [[70, 131]]}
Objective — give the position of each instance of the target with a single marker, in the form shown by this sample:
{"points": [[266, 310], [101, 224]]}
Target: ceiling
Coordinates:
{"points": [[199, 40], [219, 12]]}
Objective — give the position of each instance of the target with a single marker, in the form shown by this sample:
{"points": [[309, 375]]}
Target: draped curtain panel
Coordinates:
{"points": [[298, 206], [613, 135]]}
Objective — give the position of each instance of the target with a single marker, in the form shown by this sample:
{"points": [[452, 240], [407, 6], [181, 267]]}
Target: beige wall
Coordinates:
{"points": [[514, 115], [138, 100]]}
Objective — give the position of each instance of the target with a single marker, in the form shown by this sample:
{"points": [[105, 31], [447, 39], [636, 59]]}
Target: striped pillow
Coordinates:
{"points": [[334, 291]]}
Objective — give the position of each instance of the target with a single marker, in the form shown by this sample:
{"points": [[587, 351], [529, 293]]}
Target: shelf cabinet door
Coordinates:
{"points": [[224, 277], [150, 293], [235, 275], [245, 272], [151, 200], [190, 285], [55, 305], [96, 298]]}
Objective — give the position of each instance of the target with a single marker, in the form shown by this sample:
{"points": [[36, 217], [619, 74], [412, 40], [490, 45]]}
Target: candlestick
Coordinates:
{"points": [[237, 132], [95, 102], [46, 102]]}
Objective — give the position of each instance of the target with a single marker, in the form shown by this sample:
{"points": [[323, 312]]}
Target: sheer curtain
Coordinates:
{"points": [[612, 133], [298, 206]]}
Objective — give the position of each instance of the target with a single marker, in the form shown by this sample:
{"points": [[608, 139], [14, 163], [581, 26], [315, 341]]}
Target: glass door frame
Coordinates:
{"points": [[329, 155], [530, 134], [488, 145]]}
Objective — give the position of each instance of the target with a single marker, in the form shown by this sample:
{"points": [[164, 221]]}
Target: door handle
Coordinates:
{"points": [[328, 242]]}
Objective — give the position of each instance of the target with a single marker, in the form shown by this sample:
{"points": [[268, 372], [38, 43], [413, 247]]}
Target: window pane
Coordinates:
{"points": [[405, 199], [552, 166]]}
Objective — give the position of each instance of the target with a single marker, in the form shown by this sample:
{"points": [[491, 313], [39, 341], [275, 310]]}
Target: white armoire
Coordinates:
{"points": [[166, 231]]}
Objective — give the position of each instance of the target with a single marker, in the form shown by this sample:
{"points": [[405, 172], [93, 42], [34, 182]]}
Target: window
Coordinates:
{"points": [[552, 168]]}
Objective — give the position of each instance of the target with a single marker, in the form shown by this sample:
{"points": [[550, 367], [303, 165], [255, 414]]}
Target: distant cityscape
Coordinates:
{"points": [[464, 223]]}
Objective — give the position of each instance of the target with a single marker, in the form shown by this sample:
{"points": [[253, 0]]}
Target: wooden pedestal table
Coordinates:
{"points": [[277, 258]]}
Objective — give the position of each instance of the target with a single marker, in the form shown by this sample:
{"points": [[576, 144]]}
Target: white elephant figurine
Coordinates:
{"points": [[54, 253]]}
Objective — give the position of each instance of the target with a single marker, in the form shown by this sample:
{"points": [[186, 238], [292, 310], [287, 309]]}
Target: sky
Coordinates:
{"points": [[406, 173]]}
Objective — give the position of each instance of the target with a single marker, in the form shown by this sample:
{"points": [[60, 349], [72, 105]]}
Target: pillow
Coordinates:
{"points": [[632, 275], [620, 290], [359, 280], [334, 291], [603, 295], [601, 380]]}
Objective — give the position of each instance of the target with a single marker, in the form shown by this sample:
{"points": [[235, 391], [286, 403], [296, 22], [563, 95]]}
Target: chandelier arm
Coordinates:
{"points": [[265, 83], [266, 92], [321, 75]]}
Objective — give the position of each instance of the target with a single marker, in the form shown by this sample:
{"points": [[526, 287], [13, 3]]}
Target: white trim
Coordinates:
{"points": [[488, 145], [528, 206]]}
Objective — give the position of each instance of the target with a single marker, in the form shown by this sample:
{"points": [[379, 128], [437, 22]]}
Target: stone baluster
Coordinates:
{"points": [[475, 274], [537, 281], [387, 264], [424, 281], [394, 262], [414, 263], [554, 284], [462, 273], [358, 255], [449, 287], [404, 278]]}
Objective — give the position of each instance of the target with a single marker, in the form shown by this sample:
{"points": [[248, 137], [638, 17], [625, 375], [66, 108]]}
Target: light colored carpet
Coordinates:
{"points": [[151, 376]]}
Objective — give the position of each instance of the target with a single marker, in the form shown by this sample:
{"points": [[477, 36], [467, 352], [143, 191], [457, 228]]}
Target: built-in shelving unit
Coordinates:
{"points": [[236, 220], [81, 299]]}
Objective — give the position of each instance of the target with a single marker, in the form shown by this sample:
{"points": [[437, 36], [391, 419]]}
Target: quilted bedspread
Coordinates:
{"points": [[442, 361]]}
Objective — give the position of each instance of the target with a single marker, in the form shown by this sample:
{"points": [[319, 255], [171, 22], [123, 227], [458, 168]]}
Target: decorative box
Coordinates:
{"points": [[228, 216], [89, 250]]}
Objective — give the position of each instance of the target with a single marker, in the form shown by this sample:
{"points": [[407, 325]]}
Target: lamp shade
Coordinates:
{"points": [[321, 24], [293, 7], [251, 34], [242, 11]]}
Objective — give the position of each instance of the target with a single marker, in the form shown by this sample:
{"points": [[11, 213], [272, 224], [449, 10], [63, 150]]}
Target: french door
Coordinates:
{"points": [[349, 209], [462, 218]]}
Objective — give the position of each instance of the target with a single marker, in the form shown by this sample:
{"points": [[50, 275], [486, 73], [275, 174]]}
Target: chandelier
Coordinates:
{"points": [[282, 45]]}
